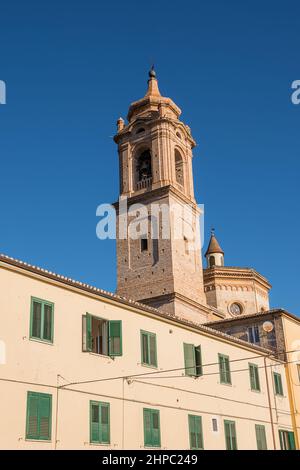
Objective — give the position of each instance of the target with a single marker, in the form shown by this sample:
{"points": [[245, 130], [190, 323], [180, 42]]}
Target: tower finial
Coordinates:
{"points": [[152, 73], [212, 232]]}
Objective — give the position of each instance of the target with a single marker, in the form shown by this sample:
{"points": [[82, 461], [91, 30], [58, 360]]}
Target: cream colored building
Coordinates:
{"points": [[82, 368], [51, 362]]}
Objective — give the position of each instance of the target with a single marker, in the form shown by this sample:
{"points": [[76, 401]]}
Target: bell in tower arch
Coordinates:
{"points": [[144, 167]]}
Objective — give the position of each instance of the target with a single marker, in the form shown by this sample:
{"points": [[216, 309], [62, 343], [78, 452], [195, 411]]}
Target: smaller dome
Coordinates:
{"points": [[213, 246]]}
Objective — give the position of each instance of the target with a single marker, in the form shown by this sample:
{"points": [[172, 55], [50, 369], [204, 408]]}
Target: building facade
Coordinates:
{"points": [[278, 331], [86, 369]]}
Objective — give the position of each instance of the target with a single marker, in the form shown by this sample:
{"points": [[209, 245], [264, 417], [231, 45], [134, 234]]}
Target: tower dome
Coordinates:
{"points": [[214, 254]]}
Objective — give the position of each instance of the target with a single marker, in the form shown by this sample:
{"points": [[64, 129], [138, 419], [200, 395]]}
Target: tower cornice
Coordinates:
{"points": [[234, 273]]}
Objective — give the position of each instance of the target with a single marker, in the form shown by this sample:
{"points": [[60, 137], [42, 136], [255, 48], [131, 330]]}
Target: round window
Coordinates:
{"points": [[236, 309]]}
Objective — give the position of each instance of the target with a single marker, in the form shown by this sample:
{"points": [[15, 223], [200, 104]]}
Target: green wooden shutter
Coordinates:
{"points": [[233, 436], [261, 440], [115, 338], [152, 350], [151, 428], [147, 427], [275, 382], [155, 428], [230, 435], [47, 322], [278, 383], [36, 319], [39, 407], [45, 402], [291, 439], [195, 429], [221, 369], [89, 339], [105, 428], [227, 435], [227, 369], [94, 422], [254, 377], [224, 368], [198, 360], [148, 348], [193, 440], [32, 431], [144, 348], [189, 359]]}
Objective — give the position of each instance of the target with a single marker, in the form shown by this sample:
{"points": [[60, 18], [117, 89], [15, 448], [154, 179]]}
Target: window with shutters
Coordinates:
{"points": [[38, 420], [224, 369], [151, 428], [261, 440], [254, 377], [41, 320], [99, 422], [102, 336], [148, 348], [230, 435], [278, 384], [287, 440], [196, 433], [192, 360]]}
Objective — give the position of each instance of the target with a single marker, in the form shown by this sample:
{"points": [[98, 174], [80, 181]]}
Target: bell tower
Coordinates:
{"points": [[156, 267]]}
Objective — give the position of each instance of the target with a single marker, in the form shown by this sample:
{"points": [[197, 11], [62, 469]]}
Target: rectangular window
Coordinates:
{"points": [[148, 347], [224, 368], [196, 434], [298, 369], [230, 435], [253, 334], [41, 320], [192, 360], [38, 421], [144, 244], [102, 336], [151, 428], [261, 440], [99, 422], [215, 425], [278, 384], [287, 440], [254, 377]]}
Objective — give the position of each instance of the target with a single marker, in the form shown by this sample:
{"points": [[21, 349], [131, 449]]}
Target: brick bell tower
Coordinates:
{"points": [[155, 153]]}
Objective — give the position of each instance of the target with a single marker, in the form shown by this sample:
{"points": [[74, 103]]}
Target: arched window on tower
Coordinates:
{"points": [[144, 170], [179, 168], [212, 261]]}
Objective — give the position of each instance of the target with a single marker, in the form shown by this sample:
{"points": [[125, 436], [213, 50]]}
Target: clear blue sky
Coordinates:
{"points": [[72, 68]]}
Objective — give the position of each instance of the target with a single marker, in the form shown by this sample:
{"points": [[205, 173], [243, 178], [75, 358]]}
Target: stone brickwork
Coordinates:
{"points": [[239, 327], [224, 285], [165, 272]]}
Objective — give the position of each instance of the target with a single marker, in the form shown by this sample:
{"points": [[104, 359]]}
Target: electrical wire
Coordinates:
{"points": [[144, 374]]}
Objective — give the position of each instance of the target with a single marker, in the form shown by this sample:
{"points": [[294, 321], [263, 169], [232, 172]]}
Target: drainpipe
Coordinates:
{"points": [[291, 402], [269, 402], [56, 413]]}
